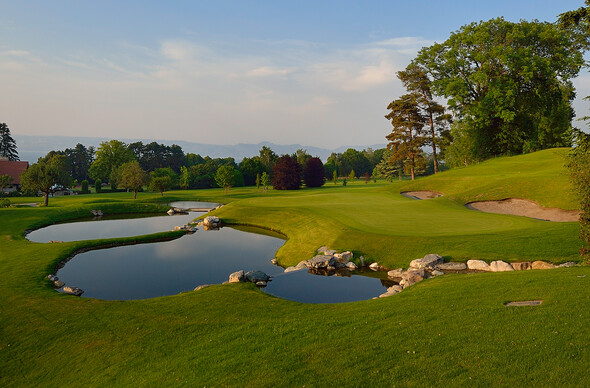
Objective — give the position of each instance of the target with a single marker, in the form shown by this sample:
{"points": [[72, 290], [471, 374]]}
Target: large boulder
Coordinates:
{"points": [[542, 265], [500, 266], [343, 257], [391, 291], [72, 291], [257, 276], [412, 276], [568, 264], [237, 277], [212, 221], [451, 266], [522, 266], [395, 273], [478, 265], [321, 261], [428, 261], [351, 266]]}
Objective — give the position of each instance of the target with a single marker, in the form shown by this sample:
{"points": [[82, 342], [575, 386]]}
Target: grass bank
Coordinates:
{"points": [[451, 330]]}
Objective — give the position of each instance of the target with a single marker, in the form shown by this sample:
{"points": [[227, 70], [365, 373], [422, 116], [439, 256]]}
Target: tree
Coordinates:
{"points": [[48, 175], [5, 181], [109, 156], [335, 176], [286, 174], [258, 181], [388, 168], [313, 175], [510, 82], [407, 135], [7, 144], [225, 177], [268, 158], [133, 177], [163, 179], [579, 167], [352, 175], [184, 180], [265, 181], [302, 157], [251, 168], [415, 79], [80, 159]]}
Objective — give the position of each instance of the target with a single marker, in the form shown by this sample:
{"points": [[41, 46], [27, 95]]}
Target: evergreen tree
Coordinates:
{"points": [[7, 144]]}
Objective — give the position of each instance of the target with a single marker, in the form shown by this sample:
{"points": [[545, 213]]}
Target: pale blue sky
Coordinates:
{"points": [[311, 72]]}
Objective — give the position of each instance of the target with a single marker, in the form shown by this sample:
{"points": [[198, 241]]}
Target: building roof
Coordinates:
{"points": [[14, 169]]}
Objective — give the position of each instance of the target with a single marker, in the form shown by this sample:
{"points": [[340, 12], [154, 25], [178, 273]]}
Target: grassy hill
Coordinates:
{"points": [[452, 330]]}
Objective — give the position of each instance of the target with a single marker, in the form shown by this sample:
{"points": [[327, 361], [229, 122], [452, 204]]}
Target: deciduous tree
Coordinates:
{"points": [[48, 175], [133, 177], [109, 156], [225, 177], [511, 82], [313, 175], [286, 174]]}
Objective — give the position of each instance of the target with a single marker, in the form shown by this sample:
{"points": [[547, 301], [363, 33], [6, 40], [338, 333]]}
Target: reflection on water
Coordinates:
{"points": [[206, 257], [167, 268]]}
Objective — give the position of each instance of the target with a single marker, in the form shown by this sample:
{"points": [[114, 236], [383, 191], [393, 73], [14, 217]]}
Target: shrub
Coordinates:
{"points": [[98, 185], [84, 187], [286, 174], [4, 202], [314, 176]]}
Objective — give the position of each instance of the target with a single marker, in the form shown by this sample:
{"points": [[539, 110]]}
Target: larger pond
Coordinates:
{"points": [[206, 257]]}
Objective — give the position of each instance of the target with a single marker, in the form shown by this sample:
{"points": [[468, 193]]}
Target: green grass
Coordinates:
{"points": [[452, 330]]}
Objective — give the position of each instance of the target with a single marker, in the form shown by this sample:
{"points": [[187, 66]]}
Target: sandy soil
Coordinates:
{"points": [[421, 194], [527, 208]]}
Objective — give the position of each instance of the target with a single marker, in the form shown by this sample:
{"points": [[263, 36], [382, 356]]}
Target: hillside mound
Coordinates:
{"points": [[526, 208]]}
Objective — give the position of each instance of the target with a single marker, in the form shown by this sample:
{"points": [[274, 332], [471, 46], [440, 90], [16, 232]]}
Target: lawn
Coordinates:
{"points": [[451, 330]]}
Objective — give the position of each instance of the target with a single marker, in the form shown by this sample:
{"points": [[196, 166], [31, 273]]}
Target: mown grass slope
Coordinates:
{"points": [[452, 330]]}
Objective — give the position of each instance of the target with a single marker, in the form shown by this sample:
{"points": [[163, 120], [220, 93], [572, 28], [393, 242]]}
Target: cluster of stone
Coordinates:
{"points": [[502, 266], [187, 228], [55, 280], [327, 259], [210, 222], [98, 213], [257, 277], [420, 269], [177, 210]]}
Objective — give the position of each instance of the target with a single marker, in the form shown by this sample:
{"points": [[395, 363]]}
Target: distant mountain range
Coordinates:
{"points": [[31, 148]]}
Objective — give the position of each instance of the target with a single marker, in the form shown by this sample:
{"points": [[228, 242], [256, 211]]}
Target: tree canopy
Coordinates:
{"points": [[286, 174], [108, 157], [48, 175], [313, 174], [133, 177], [225, 177], [508, 84]]}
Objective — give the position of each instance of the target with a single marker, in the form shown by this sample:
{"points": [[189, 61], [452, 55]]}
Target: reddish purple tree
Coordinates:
{"points": [[314, 175], [286, 174]]}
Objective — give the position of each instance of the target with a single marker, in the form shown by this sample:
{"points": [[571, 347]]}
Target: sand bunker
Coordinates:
{"points": [[526, 208], [421, 194]]}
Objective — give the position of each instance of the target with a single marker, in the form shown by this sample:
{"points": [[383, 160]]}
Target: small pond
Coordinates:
{"points": [[120, 225], [206, 257]]}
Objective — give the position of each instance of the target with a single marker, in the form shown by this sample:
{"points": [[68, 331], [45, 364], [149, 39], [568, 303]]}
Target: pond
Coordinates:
{"points": [[205, 257], [114, 226]]}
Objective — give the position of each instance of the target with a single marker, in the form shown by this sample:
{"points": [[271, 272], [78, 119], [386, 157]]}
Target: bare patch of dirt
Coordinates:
{"points": [[526, 208], [421, 194]]}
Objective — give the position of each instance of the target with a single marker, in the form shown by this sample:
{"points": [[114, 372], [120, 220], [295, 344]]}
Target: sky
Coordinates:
{"points": [[318, 73]]}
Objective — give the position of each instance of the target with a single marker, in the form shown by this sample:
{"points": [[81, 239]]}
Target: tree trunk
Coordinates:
{"points": [[46, 200], [433, 136], [134, 194]]}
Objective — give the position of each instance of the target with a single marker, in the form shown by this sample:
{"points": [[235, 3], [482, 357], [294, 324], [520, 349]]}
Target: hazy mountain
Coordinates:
{"points": [[30, 148]]}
